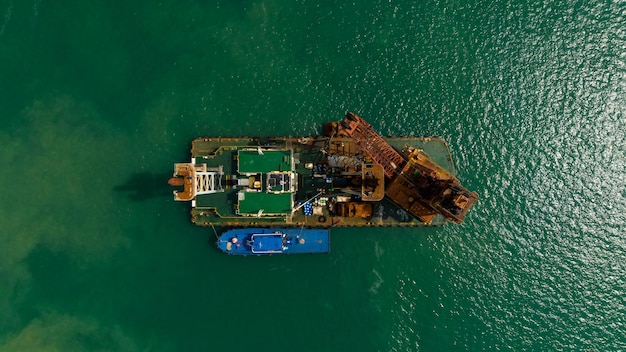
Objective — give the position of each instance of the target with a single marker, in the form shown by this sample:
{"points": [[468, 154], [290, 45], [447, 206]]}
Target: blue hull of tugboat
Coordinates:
{"points": [[267, 241]]}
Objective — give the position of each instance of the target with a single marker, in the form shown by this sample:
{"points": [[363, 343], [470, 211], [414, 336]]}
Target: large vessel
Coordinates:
{"points": [[264, 241], [349, 176]]}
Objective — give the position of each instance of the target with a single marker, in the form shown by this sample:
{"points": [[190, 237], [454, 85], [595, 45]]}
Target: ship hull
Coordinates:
{"points": [[321, 172], [265, 241]]}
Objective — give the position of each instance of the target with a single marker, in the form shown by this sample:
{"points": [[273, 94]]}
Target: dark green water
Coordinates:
{"points": [[98, 99]]}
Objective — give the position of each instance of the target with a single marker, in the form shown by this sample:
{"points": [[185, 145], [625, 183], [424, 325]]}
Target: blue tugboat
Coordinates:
{"points": [[266, 241]]}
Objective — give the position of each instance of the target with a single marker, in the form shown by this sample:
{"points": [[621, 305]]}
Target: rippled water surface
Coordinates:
{"points": [[98, 100]]}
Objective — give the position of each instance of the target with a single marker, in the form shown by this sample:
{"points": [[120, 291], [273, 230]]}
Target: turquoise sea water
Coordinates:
{"points": [[98, 99]]}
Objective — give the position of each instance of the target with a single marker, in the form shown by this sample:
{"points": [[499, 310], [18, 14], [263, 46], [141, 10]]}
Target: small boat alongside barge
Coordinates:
{"points": [[267, 241]]}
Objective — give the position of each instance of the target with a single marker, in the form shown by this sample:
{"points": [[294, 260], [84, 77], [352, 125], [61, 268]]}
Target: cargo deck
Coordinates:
{"points": [[350, 176], [301, 181]]}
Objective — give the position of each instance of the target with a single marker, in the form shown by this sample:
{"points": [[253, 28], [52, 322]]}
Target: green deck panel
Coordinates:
{"points": [[271, 203], [250, 161]]}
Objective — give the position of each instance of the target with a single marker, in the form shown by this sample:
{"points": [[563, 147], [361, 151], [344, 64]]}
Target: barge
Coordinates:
{"points": [[349, 176]]}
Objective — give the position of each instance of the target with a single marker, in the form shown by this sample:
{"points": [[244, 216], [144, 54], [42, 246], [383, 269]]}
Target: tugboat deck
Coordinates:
{"points": [[265, 241]]}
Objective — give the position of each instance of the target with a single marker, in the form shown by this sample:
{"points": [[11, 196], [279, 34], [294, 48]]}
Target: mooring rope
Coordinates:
{"points": [[214, 231]]}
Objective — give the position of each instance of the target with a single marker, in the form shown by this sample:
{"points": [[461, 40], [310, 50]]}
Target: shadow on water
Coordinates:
{"points": [[144, 185]]}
